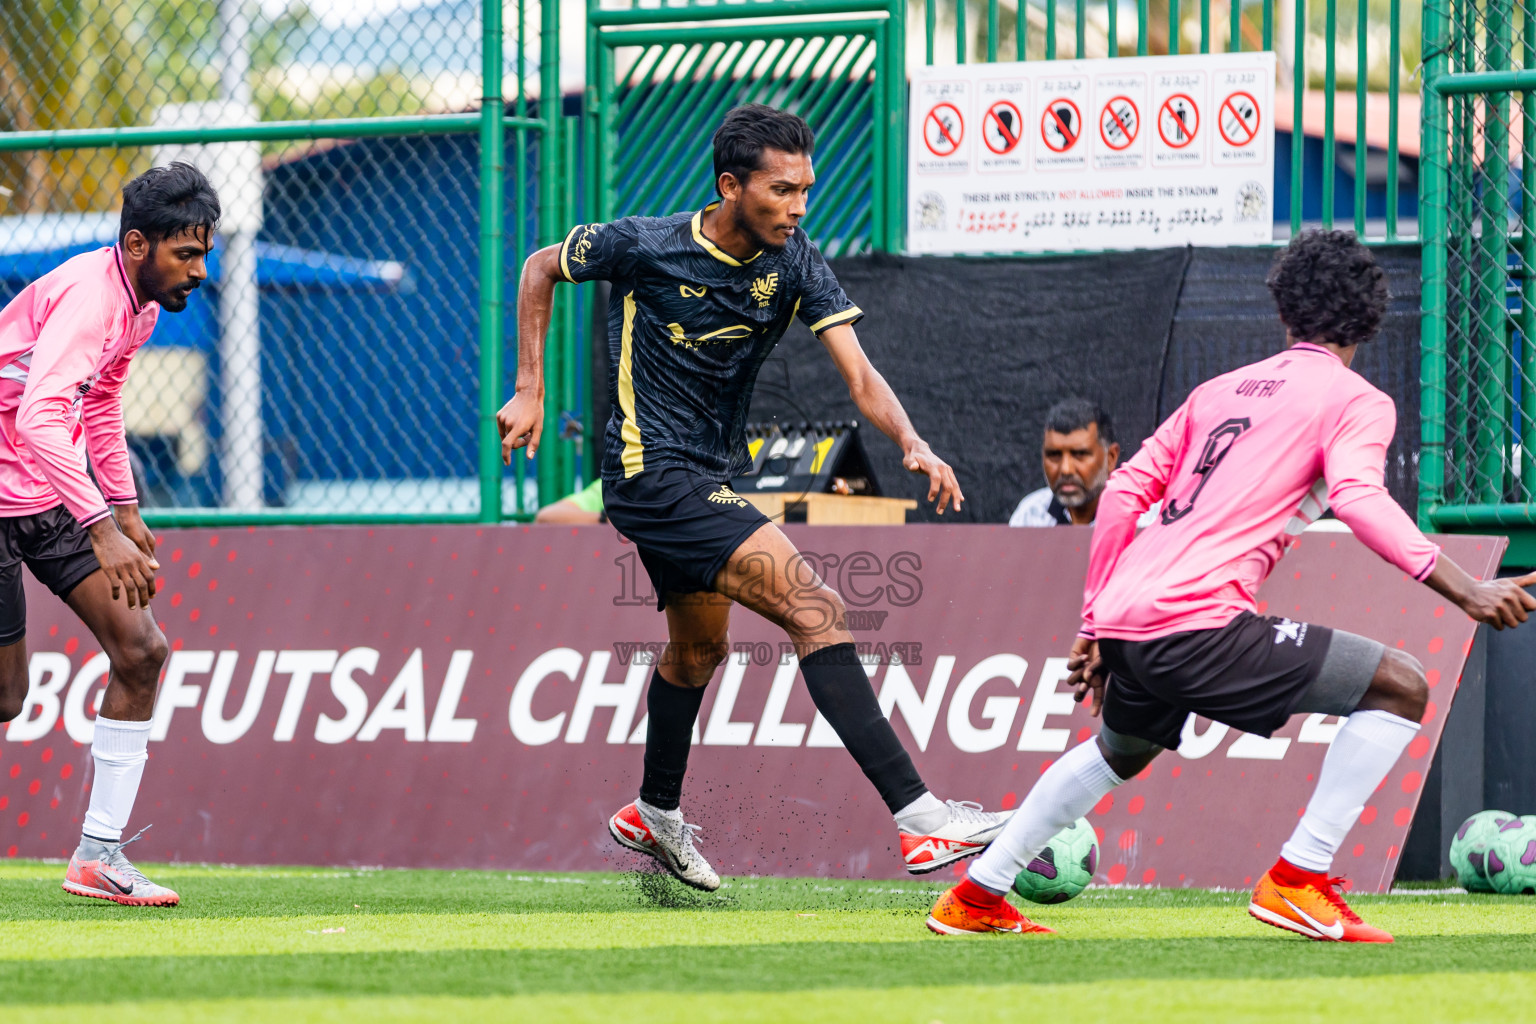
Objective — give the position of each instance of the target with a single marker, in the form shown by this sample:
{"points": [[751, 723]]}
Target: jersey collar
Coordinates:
{"points": [[710, 247], [122, 277], [1307, 346]]}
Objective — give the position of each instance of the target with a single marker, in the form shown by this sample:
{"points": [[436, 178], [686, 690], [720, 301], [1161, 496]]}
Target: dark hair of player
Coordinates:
{"points": [[752, 128], [1077, 414], [164, 202], [1328, 287]]}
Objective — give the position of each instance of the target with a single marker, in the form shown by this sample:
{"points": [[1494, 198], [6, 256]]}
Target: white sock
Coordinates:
{"points": [[1067, 791], [923, 815], [119, 750], [1362, 753]]}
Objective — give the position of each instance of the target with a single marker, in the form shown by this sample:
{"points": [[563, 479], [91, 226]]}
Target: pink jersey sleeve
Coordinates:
{"points": [[1354, 460], [105, 438], [69, 346], [1133, 488]]}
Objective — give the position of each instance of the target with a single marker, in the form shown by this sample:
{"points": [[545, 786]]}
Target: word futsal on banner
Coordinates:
{"points": [[1130, 153]]}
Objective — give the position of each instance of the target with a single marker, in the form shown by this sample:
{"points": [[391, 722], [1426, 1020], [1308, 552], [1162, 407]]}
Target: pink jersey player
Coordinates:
{"points": [[66, 343], [1245, 464], [1170, 628]]}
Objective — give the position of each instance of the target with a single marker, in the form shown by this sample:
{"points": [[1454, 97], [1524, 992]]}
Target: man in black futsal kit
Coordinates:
{"points": [[699, 301]]}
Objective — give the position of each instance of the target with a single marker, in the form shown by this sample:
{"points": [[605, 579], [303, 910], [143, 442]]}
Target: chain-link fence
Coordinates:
{"points": [[1478, 463], [344, 359]]}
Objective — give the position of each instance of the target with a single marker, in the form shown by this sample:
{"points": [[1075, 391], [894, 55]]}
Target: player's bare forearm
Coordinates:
{"points": [[1497, 603], [521, 420], [880, 406], [535, 301]]}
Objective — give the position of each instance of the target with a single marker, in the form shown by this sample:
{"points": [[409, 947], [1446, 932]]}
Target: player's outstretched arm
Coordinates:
{"points": [[521, 421], [1498, 603], [879, 404]]}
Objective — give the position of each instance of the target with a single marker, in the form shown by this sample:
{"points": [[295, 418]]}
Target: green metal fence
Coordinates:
{"points": [[661, 79], [1477, 465], [1375, 45], [381, 182]]}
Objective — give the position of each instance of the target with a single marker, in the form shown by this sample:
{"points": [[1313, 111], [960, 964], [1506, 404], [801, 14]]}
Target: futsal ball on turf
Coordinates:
{"points": [[1469, 848], [1064, 868], [1509, 863]]}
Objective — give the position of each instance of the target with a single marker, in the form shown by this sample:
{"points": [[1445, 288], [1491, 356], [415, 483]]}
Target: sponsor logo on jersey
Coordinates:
{"points": [[726, 496], [690, 292], [763, 289], [1288, 629], [724, 335], [583, 246]]}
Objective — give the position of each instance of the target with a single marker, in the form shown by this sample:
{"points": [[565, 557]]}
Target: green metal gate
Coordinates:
{"points": [[661, 79], [1477, 467]]}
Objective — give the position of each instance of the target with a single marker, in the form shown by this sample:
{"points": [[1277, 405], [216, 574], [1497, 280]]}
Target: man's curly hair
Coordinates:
{"points": [[1328, 288]]}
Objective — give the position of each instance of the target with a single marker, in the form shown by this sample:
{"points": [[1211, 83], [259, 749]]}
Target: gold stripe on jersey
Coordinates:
{"points": [[634, 451], [710, 247], [565, 253], [851, 313]]}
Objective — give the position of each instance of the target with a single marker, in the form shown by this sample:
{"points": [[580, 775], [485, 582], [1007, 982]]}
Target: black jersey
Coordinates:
{"points": [[688, 327]]}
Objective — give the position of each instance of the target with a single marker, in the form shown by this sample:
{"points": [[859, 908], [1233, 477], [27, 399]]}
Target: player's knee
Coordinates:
{"points": [[12, 700], [141, 659], [694, 664], [817, 614], [1400, 686]]}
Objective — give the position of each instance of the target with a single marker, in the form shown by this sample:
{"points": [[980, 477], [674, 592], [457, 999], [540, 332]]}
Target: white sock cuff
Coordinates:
{"points": [[1090, 767], [1381, 727], [117, 740]]}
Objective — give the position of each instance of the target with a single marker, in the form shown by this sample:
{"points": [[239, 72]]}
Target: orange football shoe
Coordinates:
{"points": [[952, 915], [1309, 903]]}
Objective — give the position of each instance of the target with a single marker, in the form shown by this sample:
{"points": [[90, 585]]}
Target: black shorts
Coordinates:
{"points": [[1252, 674], [684, 524], [57, 550]]}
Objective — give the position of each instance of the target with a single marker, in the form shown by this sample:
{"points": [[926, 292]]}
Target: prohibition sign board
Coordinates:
{"points": [[1061, 125], [1238, 119], [943, 129], [1119, 122], [1178, 120], [1002, 127]]}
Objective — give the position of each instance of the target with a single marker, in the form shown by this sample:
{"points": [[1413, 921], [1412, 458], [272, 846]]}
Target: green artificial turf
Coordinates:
{"points": [[296, 944]]}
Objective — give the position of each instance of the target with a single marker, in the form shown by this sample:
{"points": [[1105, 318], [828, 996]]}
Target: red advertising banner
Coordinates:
{"points": [[474, 697]]}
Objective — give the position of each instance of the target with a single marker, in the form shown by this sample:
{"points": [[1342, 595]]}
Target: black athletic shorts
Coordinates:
{"points": [[1252, 674], [684, 524], [57, 550]]}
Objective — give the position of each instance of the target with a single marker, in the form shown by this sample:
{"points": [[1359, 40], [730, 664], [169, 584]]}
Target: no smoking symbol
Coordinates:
{"points": [[1178, 120], [943, 129], [1119, 122], [1061, 125], [1002, 128], [1239, 119]]}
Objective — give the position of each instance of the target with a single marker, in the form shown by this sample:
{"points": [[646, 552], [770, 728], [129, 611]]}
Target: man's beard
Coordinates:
{"points": [[757, 239], [1086, 494], [172, 300]]}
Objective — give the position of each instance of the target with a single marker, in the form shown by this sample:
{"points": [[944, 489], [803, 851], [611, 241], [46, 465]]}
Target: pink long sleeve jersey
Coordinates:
{"points": [[1242, 467], [65, 343]]}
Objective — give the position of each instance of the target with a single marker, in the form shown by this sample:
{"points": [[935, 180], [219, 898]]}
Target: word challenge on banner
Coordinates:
{"points": [[1131, 153]]}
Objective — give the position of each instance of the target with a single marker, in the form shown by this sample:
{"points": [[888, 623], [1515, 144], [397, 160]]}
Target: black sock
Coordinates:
{"points": [[845, 699], [668, 735]]}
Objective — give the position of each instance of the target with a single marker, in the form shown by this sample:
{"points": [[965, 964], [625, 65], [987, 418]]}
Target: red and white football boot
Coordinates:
{"points": [[665, 836]]}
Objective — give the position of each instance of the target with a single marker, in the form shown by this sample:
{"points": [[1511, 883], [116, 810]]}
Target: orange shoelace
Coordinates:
{"points": [[1332, 895]]}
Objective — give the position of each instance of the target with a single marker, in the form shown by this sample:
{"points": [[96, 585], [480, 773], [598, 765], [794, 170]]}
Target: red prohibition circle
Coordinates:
{"points": [[991, 117], [1226, 105], [1130, 135], [1193, 130], [1050, 117], [954, 142]]}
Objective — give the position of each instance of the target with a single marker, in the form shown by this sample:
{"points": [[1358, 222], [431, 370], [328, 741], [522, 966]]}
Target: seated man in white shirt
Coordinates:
{"points": [[1078, 453]]}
